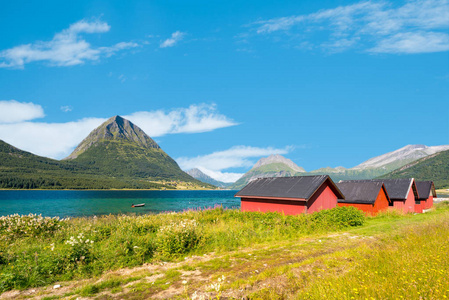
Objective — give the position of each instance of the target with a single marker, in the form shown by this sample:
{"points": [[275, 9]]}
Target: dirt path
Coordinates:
{"points": [[234, 275]]}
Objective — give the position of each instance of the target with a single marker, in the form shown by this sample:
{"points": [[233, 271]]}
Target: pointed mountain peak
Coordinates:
{"points": [[276, 158], [115, 128]]}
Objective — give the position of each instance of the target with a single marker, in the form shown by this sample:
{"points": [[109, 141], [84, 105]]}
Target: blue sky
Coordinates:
{"points": [[219, 84]]}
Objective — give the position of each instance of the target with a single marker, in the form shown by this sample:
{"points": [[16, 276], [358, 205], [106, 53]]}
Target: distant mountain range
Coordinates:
{"points": [[271, 166], [434, 167], [117, 154], [279, 166], [197, 174]]}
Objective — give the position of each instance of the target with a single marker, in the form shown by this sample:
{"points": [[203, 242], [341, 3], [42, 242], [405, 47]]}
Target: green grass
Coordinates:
{"points": [[261, 256], [410, 265], [36, 251]]}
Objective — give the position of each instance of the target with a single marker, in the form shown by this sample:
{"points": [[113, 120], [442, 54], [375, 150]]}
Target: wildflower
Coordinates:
{"points": [[184, 282]]}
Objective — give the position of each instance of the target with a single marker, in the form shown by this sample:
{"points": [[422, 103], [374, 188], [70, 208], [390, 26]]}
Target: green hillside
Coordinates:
{"points": [[23, 170], [116, 155], [434, 167], [118, 148], [120, 158]]}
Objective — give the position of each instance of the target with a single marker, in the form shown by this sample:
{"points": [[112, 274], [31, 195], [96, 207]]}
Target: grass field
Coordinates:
{"points": [[338, 254]]}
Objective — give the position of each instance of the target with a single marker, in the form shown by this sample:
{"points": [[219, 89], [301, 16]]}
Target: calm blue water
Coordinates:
{"points": [[89, 203]]}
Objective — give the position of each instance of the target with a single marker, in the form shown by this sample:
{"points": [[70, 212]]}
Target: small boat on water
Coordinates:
{"points": [[138, 205]]}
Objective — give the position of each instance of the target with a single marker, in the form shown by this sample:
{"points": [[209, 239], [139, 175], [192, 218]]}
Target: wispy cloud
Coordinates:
{"points": [[66, 108], [57, 140], [12, 111], [413, 27], [67, 48], [236, 157], [194, 119], [173, 40], [419, 42]]}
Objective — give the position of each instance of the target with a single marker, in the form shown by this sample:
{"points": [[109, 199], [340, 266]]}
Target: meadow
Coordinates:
{"points": [[219, 253]]}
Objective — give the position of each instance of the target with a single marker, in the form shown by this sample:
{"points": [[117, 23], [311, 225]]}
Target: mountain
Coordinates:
{"points": [[382, 164], [23, 170], [116, 155], [434, 167], [120, 149], [398, 158], [271, 166], [276, 159], [197, 174], [278, 166]]}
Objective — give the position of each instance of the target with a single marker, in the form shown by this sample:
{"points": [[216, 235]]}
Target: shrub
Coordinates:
{"points": [[339, 217], [14, 226], [178, 238], [79, 249]]}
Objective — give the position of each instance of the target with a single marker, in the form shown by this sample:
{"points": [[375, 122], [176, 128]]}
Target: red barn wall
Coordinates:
{"points": [[324, 198], [380, 204], [428, 203], [288, 207], [398, 204], [407, 205], [419, 207], [366, 207]]}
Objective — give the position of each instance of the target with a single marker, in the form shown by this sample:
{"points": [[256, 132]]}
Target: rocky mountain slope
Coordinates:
{"points": [[197, 174], [372, 168], [119, 148], [398, 158], [382, 164], [434, 167]]}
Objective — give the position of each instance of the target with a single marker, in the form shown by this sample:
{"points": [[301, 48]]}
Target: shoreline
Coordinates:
{"points": [[99, 190]]}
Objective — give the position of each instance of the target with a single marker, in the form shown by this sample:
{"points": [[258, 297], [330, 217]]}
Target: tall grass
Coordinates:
{"points": [[36, 251], [413, 264]]}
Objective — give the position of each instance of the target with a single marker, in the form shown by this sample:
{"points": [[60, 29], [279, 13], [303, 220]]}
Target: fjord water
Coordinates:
{"points": [[89, 203]]}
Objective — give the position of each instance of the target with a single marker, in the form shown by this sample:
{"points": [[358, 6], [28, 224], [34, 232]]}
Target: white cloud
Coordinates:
{"points": [[54, 140], [222, 176], [175, 38], [415, 27], [238, 156], [414, 43], [12, 111], [57, 140], [194, 119], [67, 48], [66, 108]]}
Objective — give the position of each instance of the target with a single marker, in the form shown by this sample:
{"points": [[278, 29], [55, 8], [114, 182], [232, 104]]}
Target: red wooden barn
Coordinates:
{"points": [[290, 195], [368, 196], [402, 192], [426, 191]]}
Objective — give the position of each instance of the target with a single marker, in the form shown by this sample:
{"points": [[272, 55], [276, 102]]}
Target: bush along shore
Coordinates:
{"points": [[218, 253]]}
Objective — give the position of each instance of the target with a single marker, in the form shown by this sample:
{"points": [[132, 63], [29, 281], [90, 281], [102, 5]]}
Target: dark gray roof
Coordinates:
{"points": [[425, 188], [396, 188], [360, 192], [302, 187]]}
